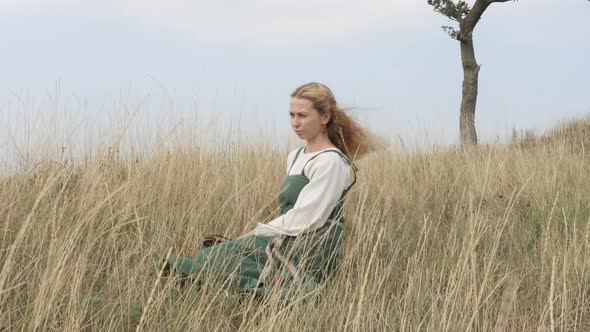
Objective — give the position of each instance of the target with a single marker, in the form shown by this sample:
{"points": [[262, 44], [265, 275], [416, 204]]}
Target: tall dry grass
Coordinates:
{"points": [[443, 240]]}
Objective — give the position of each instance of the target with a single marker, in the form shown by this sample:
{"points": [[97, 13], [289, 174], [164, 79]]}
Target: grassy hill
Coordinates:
{"points": [[444, 240]]}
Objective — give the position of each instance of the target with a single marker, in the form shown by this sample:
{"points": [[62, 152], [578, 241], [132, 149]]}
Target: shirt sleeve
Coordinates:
{"points": [[290, 158], [328, 176]]}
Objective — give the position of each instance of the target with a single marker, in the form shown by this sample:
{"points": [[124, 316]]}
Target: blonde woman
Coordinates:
{"points": [[302, 244]]}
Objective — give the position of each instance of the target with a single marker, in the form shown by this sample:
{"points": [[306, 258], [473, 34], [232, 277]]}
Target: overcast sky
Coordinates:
{"points": [[227, 57]]}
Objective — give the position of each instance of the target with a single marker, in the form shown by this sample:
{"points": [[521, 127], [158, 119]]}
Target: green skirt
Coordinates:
{"points": [[308, 258]]}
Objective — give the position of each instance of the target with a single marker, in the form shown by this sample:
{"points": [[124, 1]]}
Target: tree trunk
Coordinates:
{"points": [[469, 92], [470, 67]]}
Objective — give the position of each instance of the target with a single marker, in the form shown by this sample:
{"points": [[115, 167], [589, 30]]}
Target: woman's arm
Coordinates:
{"points": [[328, 177], [290, 158], [250, 233]]}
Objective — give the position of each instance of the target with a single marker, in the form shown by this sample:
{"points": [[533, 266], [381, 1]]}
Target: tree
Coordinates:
{"points": [[467, 17]]}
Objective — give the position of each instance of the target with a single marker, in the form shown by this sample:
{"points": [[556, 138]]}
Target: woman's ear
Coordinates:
{"points": [[326, 118]]}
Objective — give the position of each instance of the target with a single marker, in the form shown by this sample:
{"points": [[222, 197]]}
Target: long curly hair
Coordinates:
{"points": [[353, 140]]}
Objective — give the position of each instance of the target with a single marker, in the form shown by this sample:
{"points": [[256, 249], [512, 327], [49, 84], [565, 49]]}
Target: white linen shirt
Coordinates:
{"points": [[329, 175]]}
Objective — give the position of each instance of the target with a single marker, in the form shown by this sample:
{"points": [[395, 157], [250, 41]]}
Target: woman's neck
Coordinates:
{"points": [[318, 143]]}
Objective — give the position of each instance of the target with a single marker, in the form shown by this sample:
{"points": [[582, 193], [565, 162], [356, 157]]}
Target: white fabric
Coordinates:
{"points": [[328, 176]]}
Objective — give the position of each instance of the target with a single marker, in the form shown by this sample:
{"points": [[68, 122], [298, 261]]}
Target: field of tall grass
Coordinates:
{"points": [[442, 239]]}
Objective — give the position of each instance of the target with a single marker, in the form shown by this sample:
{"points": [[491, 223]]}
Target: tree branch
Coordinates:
{"points": [[460, 11], [473, 16]]}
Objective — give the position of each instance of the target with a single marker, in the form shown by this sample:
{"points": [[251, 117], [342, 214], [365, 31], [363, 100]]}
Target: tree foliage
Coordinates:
{"points": [[461, 12], [454, 11]]}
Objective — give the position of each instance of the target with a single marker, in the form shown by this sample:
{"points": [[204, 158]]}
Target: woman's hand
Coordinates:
{"points": [[244, 235]]}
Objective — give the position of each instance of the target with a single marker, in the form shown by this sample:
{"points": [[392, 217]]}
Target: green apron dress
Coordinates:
{"points": [[262, 263]]}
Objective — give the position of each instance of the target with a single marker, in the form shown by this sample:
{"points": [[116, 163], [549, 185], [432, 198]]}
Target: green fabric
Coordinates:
{"points": [[241, 262], [237, 260], [293, 184], [290, 189]]}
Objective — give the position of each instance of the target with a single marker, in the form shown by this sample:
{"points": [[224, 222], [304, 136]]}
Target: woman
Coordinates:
{"points": [[301, 245]]}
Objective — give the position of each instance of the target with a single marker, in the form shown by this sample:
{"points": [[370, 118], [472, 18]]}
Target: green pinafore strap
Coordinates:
{"points": [[293, 184]]}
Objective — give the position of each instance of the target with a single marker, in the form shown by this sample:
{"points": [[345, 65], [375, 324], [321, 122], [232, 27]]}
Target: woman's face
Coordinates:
{"points": [[306, 121]]}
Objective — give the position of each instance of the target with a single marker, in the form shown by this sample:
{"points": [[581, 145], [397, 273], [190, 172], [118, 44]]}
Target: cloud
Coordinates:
{"points": [[252, 22], [279, 22], [20, 5]]}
